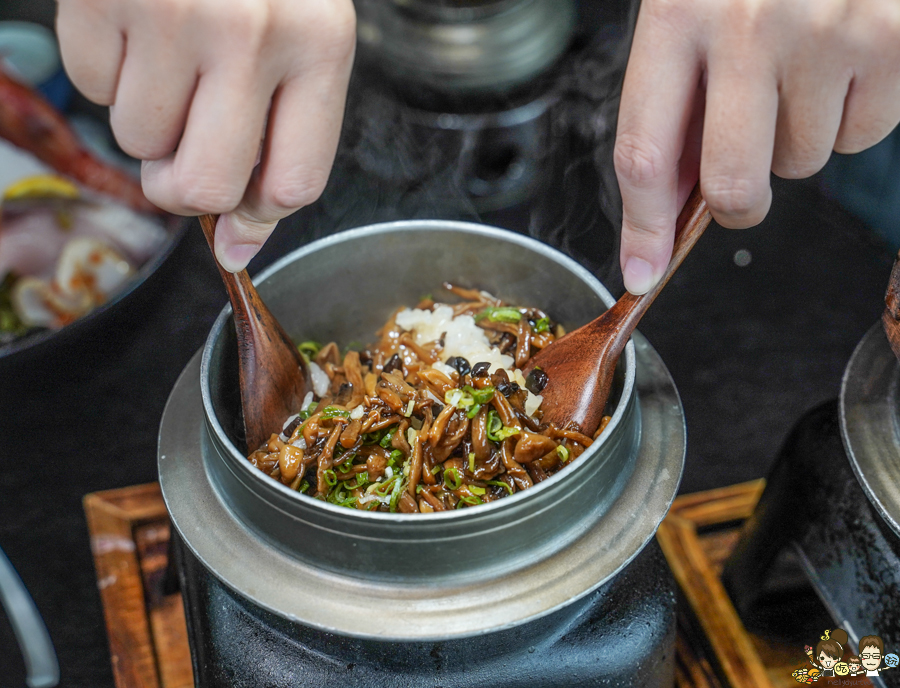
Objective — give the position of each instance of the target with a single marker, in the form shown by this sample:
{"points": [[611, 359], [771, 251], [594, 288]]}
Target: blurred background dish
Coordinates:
{"points": [[69, 242]]}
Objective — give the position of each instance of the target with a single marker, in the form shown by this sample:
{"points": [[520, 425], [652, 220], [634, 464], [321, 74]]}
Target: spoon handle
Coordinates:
{"points": [[236, 283], [251, 314], [692, 222]]}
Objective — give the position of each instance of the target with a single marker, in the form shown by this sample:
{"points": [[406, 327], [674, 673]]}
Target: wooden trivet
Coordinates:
{"points": [[129, 531], [714, 649], [148, 642]]}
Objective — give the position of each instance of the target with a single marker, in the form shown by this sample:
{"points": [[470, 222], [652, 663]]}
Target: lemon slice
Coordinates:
{"points": [[41, 186]]}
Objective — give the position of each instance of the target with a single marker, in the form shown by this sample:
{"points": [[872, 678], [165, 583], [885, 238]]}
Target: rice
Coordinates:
{"points": [[462, 337]]}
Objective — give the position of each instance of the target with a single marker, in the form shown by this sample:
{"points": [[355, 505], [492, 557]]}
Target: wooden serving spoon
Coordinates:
{"points": [[580, 366], [890, 319], [274, 378]]}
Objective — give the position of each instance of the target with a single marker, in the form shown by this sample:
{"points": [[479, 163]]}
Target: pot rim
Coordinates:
{"points": [[870, 422], [567, 473]]}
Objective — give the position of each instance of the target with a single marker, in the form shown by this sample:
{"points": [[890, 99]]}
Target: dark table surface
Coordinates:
{"points": [[751, 346], [750, 349]]}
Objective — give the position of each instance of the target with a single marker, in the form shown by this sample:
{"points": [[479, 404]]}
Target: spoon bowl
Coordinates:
{"points": [[580, 366], [274, 377]]}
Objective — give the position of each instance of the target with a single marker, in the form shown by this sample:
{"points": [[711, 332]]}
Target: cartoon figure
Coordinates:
{"points": [[801, 676], [853, 665], [830, 649], [871, 650]]}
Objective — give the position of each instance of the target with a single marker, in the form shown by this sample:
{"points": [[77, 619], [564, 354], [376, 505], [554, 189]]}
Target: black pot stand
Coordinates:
{"points": [[622, 634], [828, 501]]}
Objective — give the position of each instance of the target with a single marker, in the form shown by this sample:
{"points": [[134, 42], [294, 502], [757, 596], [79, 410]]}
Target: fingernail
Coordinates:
{"points": [[638, 276], [232, 253], [235, 258]]}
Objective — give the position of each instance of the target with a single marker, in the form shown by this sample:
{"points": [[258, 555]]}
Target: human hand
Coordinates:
{"points": [[203, 90], [729, 90]]}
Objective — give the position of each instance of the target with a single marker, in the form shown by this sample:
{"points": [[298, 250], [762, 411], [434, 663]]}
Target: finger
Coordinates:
{"points": [[661, 81], [871, 112], [210, 170], [302, 135], [809, 116], [154, 91], [689, 163], [738, 138], [92, 46]]}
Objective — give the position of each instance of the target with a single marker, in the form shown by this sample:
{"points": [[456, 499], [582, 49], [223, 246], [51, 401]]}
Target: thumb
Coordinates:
{"points": [[239, 238]]}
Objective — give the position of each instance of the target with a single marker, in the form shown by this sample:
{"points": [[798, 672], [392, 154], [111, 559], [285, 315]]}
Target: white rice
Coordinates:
{"points": [[462, 337], [320, 380]]}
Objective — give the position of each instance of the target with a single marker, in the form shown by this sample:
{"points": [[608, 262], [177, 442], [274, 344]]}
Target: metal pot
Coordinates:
{"points": [[870, 415], [430, 576], [464, 46]]}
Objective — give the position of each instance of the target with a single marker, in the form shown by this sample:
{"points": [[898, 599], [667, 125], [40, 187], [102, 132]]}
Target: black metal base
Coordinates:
{"points": [[813, 504], [621, 635]]}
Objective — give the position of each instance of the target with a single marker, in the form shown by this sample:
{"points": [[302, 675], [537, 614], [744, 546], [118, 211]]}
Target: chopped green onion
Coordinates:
{"points": [[334, 412], [385, 488], [330, 477], [563, 453], [452, 397], [395, 456], [476, 490], [309, 349], [473, 411], [468, 500], [500, 314], [360, 481], [436, 470], [542, 325], [494, 425], [419, 489], [304, 486], [458, 398], [508, 432], [480, 396], [471, 462], [309, 410], [395, 494], [385, 441], [496, 431], [341, 498], [500, 483], [452, 478]]}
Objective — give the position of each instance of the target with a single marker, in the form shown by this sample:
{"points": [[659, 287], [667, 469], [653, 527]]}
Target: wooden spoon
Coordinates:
{"points": [[580, 366], [274, 378], [890, 319]]}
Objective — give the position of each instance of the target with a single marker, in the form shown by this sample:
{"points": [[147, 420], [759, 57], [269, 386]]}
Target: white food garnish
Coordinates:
{"points": [[320, 381], [462, 337]]}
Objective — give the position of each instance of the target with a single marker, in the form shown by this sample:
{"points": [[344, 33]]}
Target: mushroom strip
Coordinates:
{"points": [[433, 416]]}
